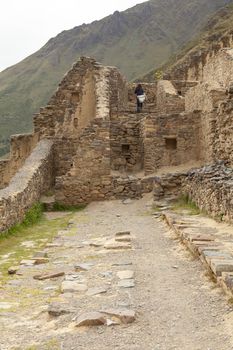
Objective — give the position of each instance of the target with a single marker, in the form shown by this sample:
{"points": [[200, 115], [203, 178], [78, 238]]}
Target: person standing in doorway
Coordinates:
{"points": [[140, 95]]}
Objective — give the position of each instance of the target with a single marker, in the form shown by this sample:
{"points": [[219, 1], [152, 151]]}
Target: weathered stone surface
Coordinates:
{"points": [[112, 244], [124, 315], [124, 275], [83, 267], [122, 233], [73, 287], [219, 265], [58, 309], [90, 319]]}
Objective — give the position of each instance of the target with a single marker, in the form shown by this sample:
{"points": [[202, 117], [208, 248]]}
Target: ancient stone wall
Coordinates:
{"points": [[20, 148], [223, 136], [170, 140], [26, 187], [191, 66], [125, 143]]}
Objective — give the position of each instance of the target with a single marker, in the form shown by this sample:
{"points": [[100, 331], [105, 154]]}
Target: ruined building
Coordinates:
{"points": [[89, 143]]}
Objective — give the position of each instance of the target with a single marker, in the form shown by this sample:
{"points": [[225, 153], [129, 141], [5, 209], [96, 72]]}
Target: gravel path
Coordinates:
{"points": [[178, 307]]}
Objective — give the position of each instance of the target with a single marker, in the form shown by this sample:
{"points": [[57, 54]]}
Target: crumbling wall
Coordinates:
{"points": [[20, 148], [168, 99], [73, 105], [26, 187]]}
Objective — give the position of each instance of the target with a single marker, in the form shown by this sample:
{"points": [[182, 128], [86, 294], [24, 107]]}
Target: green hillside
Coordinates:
{"points": [[219, 26], [136, 40]]}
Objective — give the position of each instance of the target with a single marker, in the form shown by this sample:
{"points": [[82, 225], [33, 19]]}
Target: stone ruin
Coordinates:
{"points": [[89, 143]]}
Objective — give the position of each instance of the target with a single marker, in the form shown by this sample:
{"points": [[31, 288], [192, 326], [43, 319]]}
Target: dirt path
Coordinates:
{"points": [[177, 306]]}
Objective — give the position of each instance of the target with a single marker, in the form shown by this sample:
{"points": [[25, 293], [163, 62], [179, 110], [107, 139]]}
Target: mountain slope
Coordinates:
{"points": [[135, 40]]}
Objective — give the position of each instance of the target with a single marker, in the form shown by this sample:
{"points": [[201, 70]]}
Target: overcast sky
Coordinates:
{"points": [[26, 25]]}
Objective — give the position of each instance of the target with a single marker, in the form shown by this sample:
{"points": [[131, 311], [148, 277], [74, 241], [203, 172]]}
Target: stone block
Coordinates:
{"points": [[218, 266]]}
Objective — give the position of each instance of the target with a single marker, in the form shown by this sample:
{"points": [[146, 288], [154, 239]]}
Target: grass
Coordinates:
{"points": [[36, 228], [32, 216], [70, 208], [184, 203]]}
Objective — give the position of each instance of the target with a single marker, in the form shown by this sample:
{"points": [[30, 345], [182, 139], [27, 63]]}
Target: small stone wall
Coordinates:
{"points": [[26, 187], [211, 188], [20, 148], [168, 185]]}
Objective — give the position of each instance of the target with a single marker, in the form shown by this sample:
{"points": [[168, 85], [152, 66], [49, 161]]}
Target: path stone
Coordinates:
{"points": [[125, 316], [73, 287], [47, 276], [56, 309], [40, 255], [123, 239], [122, 233], [126, 283], [7, 306], [219, 266], [123, 263], [125, 275], [96, 291], [90, 319], [112, 244], [39, 261], [27, 262], [83, 267], [13, 269]]}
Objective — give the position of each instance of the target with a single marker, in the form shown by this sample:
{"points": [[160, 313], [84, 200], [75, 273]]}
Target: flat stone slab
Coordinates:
{"points": [[83, 267], [124, 315], [73, 287], [96, 291], [126, 283], [112, 244], [210, 254], [200, 237], [125, 275], [27, 262], [90, 319], [218, 266]]}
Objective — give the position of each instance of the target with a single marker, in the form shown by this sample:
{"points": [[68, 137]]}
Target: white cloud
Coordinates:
{"points": [[26, 25]]}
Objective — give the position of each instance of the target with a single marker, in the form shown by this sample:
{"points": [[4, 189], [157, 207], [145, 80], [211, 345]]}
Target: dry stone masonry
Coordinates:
{"points": [[98, 147]]}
